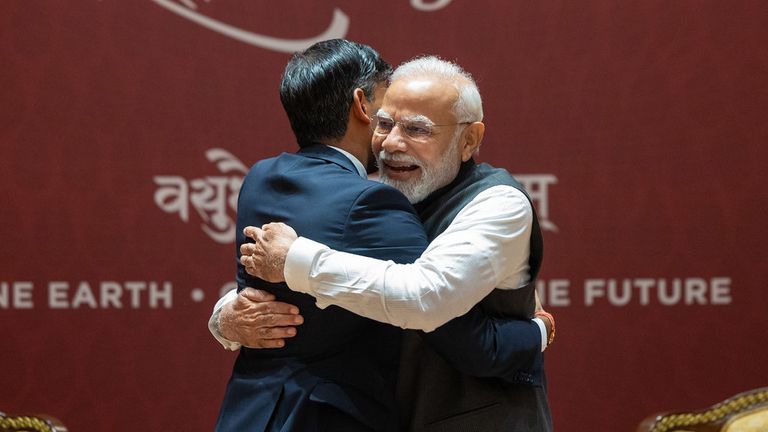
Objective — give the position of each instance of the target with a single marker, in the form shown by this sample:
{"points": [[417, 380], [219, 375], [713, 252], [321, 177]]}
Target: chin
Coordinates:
{"points": [[415, 190]]}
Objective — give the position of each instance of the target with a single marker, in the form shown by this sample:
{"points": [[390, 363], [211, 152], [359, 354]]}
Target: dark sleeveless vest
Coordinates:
{"points": [[475, 404], [439, 209]]}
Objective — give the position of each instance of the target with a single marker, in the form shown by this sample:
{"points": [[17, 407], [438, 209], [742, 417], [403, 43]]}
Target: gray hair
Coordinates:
{"points": [[469, 105]]}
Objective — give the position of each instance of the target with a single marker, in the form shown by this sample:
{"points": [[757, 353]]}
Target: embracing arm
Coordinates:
{"points": [[481, 346], [485, 247], [253, 319], [380, 224], [473, 343]]}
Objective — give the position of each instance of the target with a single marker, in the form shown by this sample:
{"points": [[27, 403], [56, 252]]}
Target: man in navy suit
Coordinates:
{"points": [[337, 373]]}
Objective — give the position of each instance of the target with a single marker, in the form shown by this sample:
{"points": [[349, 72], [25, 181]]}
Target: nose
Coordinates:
{"points": [[394, 141]]}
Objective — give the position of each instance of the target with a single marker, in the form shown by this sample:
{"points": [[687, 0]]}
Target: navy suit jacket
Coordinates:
{"points": [[337, 358]]}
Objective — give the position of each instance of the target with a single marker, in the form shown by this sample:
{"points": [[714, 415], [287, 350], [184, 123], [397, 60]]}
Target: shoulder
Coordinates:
{"points": [[503, 194], [374, 200], [497, 176], [269, 166], [499, 205], [373, 190], [381, 223]]}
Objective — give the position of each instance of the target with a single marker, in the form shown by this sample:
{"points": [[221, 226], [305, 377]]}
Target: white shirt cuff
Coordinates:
{"points": [[213, 322], [299, 261], [543, 329]]}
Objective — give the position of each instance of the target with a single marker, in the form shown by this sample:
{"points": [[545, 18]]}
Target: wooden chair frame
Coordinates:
{"points": [[30, 423], [713, 419]]}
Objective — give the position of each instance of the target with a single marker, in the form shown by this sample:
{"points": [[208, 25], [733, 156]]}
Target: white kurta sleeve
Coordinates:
{"points": [[486, 246], [213, 321]]}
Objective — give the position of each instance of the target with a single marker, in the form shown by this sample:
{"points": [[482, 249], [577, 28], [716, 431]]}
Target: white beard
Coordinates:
{"points": [[432, 177]]}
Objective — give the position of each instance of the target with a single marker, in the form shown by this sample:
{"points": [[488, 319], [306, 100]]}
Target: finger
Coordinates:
{"points": [[247, 248], [251, 231], [250, 264], [257, 295], [276, 332], [265, 343], [276, 308], [246, 260], [264, 321], [253, 271]]}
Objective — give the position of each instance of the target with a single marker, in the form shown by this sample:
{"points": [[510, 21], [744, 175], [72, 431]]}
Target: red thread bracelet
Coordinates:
{"points": [[551, 319]]}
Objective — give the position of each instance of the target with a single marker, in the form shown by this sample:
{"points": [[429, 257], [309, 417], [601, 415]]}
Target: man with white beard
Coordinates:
{"points": [[485, 248], [431, 177]]}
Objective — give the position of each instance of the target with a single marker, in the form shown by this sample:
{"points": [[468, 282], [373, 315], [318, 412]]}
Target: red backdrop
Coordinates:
{"points": [[125, 127]]}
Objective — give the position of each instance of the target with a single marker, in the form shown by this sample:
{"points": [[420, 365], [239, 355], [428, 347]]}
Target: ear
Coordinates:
{"points": [[359, 108], [473, 136]]}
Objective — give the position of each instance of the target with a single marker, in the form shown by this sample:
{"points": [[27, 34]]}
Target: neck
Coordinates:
{"points": [[357, 146], [351, 150]]}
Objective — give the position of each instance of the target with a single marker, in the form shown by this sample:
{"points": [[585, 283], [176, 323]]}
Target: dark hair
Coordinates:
{"points": [[318, 85]]}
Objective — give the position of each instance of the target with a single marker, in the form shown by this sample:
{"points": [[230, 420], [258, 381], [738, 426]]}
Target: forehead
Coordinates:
{"points": [[425, 96]]}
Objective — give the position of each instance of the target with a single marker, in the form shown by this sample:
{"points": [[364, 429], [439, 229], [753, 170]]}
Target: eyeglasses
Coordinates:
{"points": [[417, 130]]}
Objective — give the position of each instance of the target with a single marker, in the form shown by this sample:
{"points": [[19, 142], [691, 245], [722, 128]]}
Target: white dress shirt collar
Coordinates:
{"points": [[358, 165]]}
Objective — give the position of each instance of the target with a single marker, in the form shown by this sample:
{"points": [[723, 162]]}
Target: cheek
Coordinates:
{"points": [[428, 155], [376, 144]]}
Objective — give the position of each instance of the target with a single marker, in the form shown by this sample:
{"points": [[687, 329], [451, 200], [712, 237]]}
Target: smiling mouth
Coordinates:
{"points": [[401, 168]]}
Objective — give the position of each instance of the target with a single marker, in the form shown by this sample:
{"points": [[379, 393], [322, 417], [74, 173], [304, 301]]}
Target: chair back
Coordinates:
{"points": [[30, 423], [745, 412]]}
